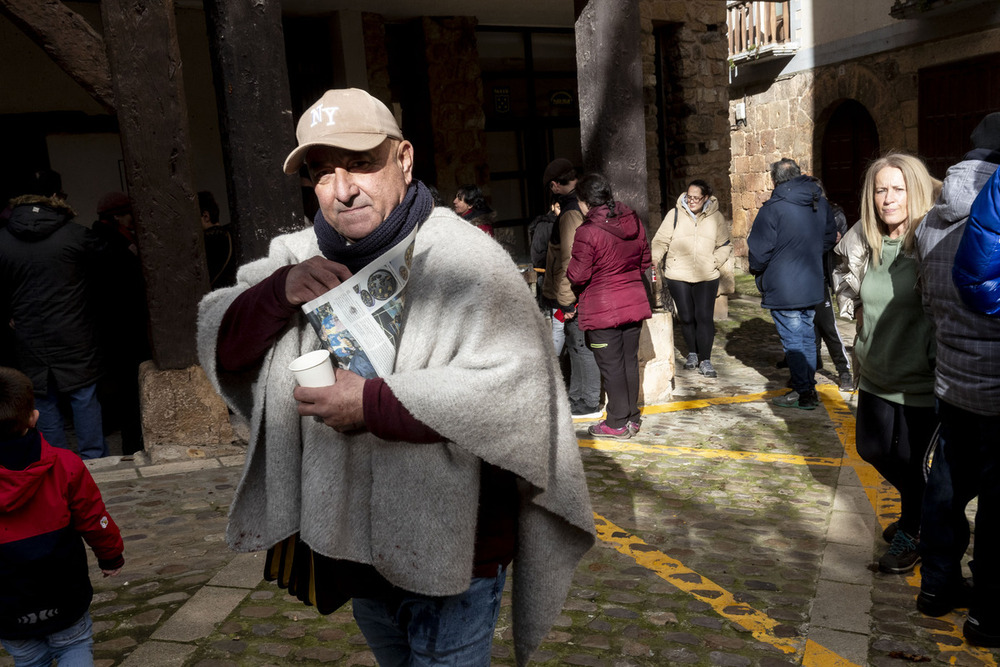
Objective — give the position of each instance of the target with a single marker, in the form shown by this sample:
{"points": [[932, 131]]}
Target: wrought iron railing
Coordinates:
{"points": [[758, 28]]}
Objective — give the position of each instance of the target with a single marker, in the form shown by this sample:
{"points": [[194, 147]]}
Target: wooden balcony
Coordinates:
{"points": [[759, 29]]}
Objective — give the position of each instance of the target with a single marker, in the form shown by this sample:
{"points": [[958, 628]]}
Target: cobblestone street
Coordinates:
{"points": [[731, 532]]}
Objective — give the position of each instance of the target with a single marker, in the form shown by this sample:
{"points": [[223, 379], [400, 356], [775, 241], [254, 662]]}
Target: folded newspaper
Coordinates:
{"points": [[359, 320]]}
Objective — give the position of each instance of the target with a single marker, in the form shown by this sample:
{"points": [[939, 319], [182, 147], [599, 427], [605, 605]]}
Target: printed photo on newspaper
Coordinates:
{"points": [[359, 320]]}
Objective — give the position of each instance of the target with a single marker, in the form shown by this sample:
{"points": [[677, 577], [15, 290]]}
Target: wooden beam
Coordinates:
{"points": [[247, 46], [69, 40], [152, 116]]}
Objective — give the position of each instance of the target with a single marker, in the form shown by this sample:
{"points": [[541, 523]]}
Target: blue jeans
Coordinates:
{"points": [[966, 465], [72, 647], [419, 631], [585, 376], [86, 421], [795, 327], [558, 332]]}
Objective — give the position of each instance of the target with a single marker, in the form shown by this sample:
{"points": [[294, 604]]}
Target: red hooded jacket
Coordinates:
{"points": [[609, 258], [44, 511]]}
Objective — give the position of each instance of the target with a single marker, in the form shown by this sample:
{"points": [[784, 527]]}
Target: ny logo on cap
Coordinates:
{"points": [[319, 111]]}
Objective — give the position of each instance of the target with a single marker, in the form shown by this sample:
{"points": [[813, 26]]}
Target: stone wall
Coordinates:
{"points": [[787, 117], [698, 125]]}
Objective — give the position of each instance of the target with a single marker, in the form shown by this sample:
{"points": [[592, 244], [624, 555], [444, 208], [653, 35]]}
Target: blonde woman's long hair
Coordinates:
{"points": [[921, 191]]}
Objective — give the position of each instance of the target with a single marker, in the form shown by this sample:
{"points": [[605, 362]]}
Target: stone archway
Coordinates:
{"points": [[850, 141]]}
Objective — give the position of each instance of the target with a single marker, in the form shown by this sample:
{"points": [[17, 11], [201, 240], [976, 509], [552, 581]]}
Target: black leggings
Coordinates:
{"points": [[695, 304], [616, 352], [894, 438]]}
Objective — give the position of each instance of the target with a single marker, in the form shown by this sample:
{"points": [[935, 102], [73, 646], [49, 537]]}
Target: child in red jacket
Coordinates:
{"points": [[48, 501]]}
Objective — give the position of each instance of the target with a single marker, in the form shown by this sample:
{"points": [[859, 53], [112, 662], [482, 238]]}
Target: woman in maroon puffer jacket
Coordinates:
{"points": [[610, 254]]}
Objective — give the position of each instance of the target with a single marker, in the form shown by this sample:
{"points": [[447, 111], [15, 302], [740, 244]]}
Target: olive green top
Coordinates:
{"points": [[895, 346]]}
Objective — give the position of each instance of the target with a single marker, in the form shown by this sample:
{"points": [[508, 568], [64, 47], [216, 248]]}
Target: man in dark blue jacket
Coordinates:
{"points": [[793, 229]]}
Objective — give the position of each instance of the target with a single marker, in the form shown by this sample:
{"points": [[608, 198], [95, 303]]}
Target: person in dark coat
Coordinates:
{"points": [[47, 269], [610, 254], [793, 230], [539, 231], [967, 389], [123, 321], [220, 253]]}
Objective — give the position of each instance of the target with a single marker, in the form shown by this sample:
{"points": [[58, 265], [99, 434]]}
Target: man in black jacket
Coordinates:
{"points": [[793, 230], [47, 264]]}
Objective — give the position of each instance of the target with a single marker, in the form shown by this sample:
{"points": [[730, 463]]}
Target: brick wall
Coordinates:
{"points": [[787, 117]]}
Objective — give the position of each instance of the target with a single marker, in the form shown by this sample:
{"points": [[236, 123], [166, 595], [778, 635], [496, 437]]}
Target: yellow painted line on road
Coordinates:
{"points": [[763, 457], [885, 500], [817, 655], [694, 404], [844, 424], [697, 403], [760, 625]]}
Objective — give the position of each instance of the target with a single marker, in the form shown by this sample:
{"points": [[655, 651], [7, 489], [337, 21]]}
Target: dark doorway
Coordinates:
{"points": [[953, 99], [532, 114], [849, 144], [673, 111]]}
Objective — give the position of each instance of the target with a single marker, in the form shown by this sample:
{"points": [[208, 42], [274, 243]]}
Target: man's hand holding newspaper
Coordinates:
{"points": [[312, 278]]}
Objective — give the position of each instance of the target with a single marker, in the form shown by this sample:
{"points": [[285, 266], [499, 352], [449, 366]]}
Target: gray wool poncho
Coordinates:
{"points": [[476, 364]]}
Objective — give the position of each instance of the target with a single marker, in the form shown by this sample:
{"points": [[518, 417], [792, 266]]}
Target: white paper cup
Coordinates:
{"points": [[313, 369]]}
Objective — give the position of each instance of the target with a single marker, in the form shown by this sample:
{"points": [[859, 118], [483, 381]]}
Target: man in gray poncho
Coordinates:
{"points": [[409, 494]]}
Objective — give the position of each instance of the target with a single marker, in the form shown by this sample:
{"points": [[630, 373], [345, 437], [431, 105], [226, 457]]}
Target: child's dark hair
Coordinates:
{"points": [[706, 189], [17, 402], [594, 190]]}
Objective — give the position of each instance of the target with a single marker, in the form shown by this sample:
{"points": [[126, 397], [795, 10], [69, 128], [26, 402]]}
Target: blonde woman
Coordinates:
{"points": [[694, 238], [876, 284]]}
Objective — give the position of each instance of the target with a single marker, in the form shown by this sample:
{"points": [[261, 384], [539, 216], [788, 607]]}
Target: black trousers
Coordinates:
{"points": [[966, 465], [617, 354], [695, 304], [827, 332], [894, 438]]}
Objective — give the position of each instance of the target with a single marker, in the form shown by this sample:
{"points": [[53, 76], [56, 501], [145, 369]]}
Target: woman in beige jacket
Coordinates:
{"points": [[694, 240]]}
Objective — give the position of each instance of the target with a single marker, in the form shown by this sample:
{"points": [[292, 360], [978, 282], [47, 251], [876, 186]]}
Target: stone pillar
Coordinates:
{"points": [[456, 103], [612, 113], [182, 416], [376, 57], [656, 359]]}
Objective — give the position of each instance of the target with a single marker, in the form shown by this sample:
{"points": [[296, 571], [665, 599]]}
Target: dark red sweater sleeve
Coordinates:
{"points": [[253, 322], [389, 419]]}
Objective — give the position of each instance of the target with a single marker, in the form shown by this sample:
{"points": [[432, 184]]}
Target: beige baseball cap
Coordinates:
{"points": [[348, 118]]}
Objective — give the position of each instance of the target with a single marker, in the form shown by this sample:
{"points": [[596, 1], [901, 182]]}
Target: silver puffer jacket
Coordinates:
{"points": [[853, 255]]}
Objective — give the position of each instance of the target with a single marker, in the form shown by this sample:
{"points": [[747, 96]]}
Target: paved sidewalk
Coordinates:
{"points": [[732, 532]]}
